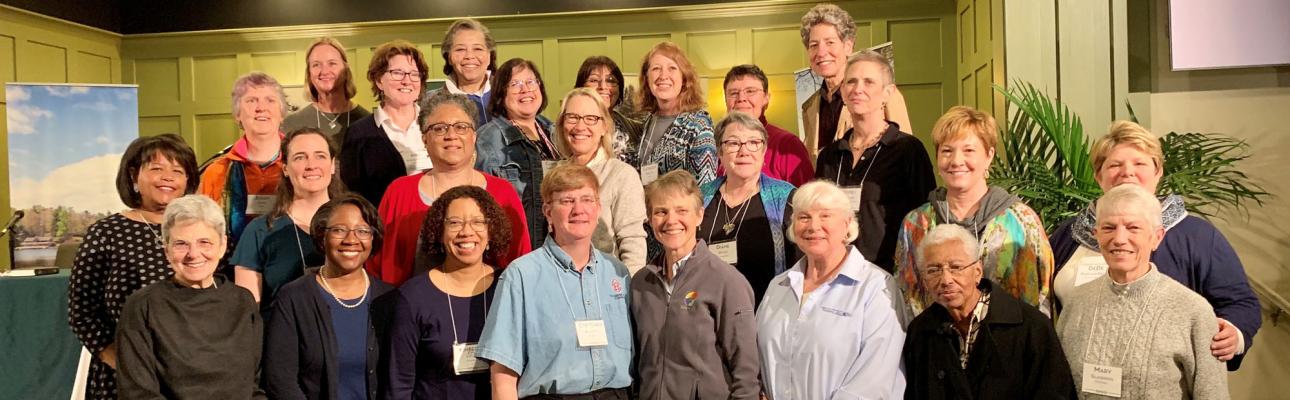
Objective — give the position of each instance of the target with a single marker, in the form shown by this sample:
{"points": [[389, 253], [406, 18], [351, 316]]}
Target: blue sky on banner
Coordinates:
{"points": [[65, 143]]}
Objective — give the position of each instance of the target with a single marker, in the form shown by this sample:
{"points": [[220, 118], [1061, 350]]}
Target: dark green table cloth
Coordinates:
{"points": [[38, 351]]}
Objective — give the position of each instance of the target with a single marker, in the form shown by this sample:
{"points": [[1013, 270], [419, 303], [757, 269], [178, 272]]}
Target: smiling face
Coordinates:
{"points": [[745, 94], [865, 88], [1127, 164], [827, 51], [605, 84], [664, 78], [741, 161], [347, 254], [309, 164], [963, 162], [951, 289], [260, 111], [325, 67], [523, 94], [821, 232], [573, 214], [452, 149], [469, 56], [583, 139], [465, 232], [159, 181], [194, 250], [400, 92], [1126, 240], [675, 219]]}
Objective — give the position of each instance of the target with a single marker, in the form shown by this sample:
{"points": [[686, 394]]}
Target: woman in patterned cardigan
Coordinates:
{"points": [[678, 132]]}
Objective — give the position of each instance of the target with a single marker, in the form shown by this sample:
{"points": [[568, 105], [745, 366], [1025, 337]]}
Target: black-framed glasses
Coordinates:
{"points": [[457, 224], [340, 232], [936, 271], [589, 119], [399, 74], [597, 82], [731, 145], [459, 128]]}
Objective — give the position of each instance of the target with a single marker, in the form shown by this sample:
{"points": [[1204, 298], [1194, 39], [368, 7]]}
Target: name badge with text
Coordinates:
{"points": [[259, 204], [1101, 379], [1089, 268], [853, 195], [726, 251], [591, 333], [464, 361]]}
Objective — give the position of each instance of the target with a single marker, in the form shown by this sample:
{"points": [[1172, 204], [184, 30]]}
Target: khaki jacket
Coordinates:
{"points": [[811, 125]]}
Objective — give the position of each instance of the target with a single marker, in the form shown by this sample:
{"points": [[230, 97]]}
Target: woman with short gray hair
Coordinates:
{"points": [[830, 327], [195, 335], [1134, 333]]}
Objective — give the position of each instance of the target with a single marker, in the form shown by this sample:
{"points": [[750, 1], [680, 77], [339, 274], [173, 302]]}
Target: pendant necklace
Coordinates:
{"points": [[331, 121], [729, 227]]}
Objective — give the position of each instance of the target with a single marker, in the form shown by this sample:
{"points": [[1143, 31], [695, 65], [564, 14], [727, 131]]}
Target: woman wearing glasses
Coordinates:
{"points": [[601, 74], [517, 144], [744, 210], [975, 341], [387, 144], [439, 315], [1014, 247], [328, 327], [448, 121], [583, 137]]}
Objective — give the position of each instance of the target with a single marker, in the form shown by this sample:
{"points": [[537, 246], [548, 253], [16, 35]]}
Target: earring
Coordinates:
{"points": [[136, 188]]}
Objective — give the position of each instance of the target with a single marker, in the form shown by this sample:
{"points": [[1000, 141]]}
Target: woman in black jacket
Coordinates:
{"points": [[326, 335]]}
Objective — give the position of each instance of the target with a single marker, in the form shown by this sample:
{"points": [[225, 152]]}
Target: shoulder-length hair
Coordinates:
{"points": [[381, 63], [606, 119], [345, 78], [499, 225], [148, 148], [501, 85], [286, 193], [691, 96], [594, 62]]}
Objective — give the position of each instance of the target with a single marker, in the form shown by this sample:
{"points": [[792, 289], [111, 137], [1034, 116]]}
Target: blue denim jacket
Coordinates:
{"points": [[503, 151]]}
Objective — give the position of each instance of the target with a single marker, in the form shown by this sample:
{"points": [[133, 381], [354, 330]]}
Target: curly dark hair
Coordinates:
{"points": [[499, 226], [318, 226]]}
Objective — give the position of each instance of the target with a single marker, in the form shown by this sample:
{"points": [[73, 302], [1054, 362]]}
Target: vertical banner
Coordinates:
{"points": [[65, 146]]}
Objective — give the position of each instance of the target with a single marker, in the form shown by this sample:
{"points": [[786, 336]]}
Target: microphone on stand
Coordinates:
{"points": [[17, 216]]}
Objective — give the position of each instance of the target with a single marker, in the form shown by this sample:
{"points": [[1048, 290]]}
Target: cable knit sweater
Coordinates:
{"points": [[1157, 330]]}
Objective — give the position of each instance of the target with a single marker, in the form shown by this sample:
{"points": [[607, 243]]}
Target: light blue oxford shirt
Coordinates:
{"points": [[530, 327], [844, 342]]}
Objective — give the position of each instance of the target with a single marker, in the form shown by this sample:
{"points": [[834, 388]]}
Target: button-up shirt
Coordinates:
{"points": [[974, 326], [407, 142], [843, 342], [530, 328]]}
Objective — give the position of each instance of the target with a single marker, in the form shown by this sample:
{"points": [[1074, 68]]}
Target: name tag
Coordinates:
{"points": [[1089, 268], [1101, 379], [464, 361], [546, 166], [259, 204], [591, 333], [649, 172], [853, 195], [727, 251]]}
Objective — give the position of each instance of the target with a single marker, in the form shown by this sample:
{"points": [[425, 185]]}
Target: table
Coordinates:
{"points": [[38, 352]]}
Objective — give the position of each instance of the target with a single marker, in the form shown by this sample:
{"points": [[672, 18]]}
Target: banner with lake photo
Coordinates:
{"points": [[65, 146]]}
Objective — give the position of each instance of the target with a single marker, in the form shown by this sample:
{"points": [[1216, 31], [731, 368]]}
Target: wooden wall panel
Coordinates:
{"points": [[88, 67], [212, 133], [7, 57], [980, 59], [43, 62], [158, 81], [151, 126], [713, 53], [217, 74]]}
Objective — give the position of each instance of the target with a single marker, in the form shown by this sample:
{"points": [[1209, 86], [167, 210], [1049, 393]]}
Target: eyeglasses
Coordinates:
{"points": [[590, 120], [597, 82], [457, 224], [570, 201], [517, 85], [731, 146], [340, 232], [459, 128], [399, 74], [936, 271], [748, 92], [202, 245]]}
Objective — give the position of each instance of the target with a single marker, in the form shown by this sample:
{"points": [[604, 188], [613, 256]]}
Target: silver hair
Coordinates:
{"points": [[823, 194], [877, 58], [193, 208], [946, 234], [244, 84], [742, 119], [442, 98], [832, 15], [1130, 200]]}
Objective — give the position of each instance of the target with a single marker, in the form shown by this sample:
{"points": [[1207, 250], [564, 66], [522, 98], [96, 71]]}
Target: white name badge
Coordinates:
{"points": [[464, 361], [258, 204], [591, 333], [1089, 268], [649, 172], [727, 251], [853, 195], [1101, 379], [546, 166]]}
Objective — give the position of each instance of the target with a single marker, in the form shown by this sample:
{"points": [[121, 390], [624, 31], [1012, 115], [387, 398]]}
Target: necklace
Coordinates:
{"points": [[729, 227], [331, 121], [149, 225], [366, 284]]}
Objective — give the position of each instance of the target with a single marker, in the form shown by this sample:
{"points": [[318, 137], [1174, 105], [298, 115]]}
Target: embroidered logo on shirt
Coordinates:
{"points": [[616, 285], [835, 311], [690, 298]]}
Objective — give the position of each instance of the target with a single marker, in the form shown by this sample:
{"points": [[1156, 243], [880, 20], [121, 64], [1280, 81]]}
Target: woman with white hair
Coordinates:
{"points": [[1134, 333], [976, 341], [195, 335], [830, 326]]}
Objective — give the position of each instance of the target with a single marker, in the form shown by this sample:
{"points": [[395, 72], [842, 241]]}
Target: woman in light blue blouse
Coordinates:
{"points": [[828, 328]]}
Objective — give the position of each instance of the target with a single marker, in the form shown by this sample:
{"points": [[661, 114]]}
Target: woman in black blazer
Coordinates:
{"points": [[326, 336]]}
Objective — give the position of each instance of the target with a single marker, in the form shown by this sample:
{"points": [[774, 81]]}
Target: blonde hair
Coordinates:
{"points": [[565, 177], [876, 58], [826, 195], [606, 139], [346, 76], [961, 121], [677, 182], [1130, 133], [691, 96]]}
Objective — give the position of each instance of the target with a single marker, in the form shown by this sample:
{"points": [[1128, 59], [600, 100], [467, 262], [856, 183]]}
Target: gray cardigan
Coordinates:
{"points": [[621, 230], [700, 340], [1157, 330]]}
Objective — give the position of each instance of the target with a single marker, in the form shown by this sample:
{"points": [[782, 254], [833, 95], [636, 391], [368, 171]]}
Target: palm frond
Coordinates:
{"points": [[1202, 168]]}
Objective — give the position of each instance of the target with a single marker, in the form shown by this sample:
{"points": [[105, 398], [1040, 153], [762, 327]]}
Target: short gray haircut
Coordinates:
{"points": [[946, 234], [442, 98], [823, 194], [877, 58], [828, 14], [741, 119], [193, 208], [1130, 200], [255, 79]]}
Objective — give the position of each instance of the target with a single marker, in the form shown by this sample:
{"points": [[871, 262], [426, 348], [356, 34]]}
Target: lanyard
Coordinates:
{"points": [[873, 160], [453, 317], [560, 280]]}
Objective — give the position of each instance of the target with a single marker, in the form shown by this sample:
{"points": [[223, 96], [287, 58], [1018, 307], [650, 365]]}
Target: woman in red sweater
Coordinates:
{"points": [[448, 130]]}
